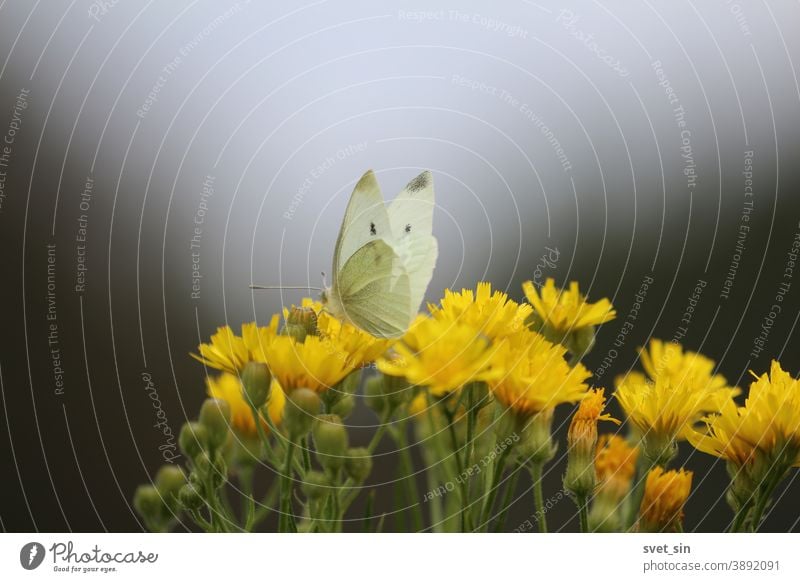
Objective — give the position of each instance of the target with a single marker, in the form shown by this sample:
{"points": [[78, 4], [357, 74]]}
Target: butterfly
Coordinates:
{"points": [[384, 257]]}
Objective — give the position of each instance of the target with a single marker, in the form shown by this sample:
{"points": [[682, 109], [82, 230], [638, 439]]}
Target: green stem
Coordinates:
{"points": [[494, 488], [538, 495], [505, 505], [306, 455], [456, 449], [741, 516], [469, 445], [286, 490], [407, 469], [582, 501], [249, 503], [347, 494], [763, 498], [266, 504]]}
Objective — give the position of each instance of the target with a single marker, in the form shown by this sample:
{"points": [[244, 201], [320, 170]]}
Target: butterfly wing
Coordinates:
{"points": [[372, 291], [411, 221], [365, 220]]}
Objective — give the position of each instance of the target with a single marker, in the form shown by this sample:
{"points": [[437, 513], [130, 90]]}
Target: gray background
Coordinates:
{"points": [[545, 126]]}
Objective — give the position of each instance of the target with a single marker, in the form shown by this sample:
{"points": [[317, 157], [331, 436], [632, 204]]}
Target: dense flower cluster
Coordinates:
{"points": [[476, 371]]}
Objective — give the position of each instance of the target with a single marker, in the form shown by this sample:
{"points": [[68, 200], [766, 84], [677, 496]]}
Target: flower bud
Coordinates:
{"points": [[193, 439], [580, 341], [215, 415], [582, 442], [256, 380], [537, 444], [211, 469], [373, 394], [168, 482], [330, 439], [665, 493], [358, 464], [148, 503], [344, 406], [302, 407], [301, 322], [190, 497], [315, 485]]}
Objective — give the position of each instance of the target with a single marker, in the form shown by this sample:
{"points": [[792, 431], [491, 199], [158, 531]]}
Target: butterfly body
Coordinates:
{"points": [[384, 257]]}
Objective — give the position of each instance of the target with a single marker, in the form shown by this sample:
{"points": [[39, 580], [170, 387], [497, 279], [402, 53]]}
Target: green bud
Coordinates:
{"points": [[190, 497], [358, 464], [397, 390], [315, 485], [301, 322], [215, 415], [330, 439], [344, 406], [373, 394], [148, 503], [193, 439], [302, 407], [168, 482], [256, 380], [211, 469], [579, 478], [537, 444], [580, 342]]}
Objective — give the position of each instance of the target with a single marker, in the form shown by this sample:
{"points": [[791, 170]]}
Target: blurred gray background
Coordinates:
{"points": [[149, 147]]}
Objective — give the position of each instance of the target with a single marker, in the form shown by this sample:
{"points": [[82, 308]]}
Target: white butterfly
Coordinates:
{"points": [[384, 257]]}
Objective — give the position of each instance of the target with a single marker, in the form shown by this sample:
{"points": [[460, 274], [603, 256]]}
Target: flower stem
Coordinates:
{"points": [[456, 449], [505, 506], [284, 523], [494, 488], [582, 501], [409, 483], [249, 503], [538, 495]]}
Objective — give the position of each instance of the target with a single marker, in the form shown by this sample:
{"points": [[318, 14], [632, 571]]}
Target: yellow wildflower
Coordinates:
{"points": [[229, 352], [442, 355], [615, 466], [581, 440], [665, 411], [535, 375], [664, 496], [317, 363], [768, 424], [566, 311], [228, 387], [669, 360], [493, 313]]}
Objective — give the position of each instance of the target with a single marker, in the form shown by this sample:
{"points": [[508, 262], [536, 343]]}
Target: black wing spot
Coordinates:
{"points": [[408, 228], [418, 183], [372, 230]]}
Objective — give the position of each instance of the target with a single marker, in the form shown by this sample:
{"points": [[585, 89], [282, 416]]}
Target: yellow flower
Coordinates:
{"points": [[669, 360], [228, 387], [566, 311], [581, 440], [679, 389], [583, 427], [615, 466], [768, 424], [664, 412], [664, 496], [535, 375], [494, 314], [317, 363], [442, 355], [362, 348], [229, 352]]}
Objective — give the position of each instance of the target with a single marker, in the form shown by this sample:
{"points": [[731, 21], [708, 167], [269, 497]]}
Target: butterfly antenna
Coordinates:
{"points": [[281, 287]]}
